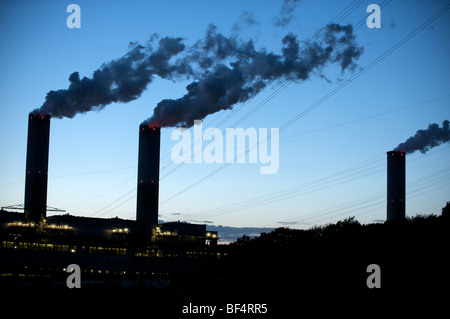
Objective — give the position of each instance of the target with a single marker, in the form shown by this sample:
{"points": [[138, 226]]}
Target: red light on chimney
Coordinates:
{"points": [[142, 181], [39, 172]]}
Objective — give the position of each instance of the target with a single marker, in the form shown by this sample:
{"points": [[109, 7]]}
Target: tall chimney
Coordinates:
{"points": [[36, 175], [395, 186], [148, 180]]}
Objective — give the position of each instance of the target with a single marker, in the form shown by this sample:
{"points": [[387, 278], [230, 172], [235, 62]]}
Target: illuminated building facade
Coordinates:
{"points": [[102, 246]]}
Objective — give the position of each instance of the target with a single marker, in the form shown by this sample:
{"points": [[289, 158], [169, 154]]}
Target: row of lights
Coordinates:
{"points": [[52, 226], [120, 230]]}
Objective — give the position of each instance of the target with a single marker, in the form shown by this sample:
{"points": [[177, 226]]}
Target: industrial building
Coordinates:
{"points": [[32, 242]]}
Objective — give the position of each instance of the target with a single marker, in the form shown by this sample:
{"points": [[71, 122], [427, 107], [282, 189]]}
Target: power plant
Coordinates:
{"points": [[34, 242], [395, 202]]}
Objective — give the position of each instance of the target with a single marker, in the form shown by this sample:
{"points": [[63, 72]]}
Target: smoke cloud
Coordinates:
{"points": [[233, 71], [121, 80], [226, 71], [424, 140], [286, 13]]}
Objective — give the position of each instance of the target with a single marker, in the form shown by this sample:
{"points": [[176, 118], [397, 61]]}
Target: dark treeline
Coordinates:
{"points": [[325, 269], [418, 242], [321, 270], [330, 262]]}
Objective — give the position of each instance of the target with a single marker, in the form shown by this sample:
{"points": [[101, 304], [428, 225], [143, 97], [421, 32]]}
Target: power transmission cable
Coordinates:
{"points": [[441, 177], [357, 171], [294, 191], [374, 62], [103, 193], [291, 59], [283, 86], [327, 96]]}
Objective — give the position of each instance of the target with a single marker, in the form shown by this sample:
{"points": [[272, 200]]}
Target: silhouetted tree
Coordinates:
{"points": [[243, 241], [446, 211]]}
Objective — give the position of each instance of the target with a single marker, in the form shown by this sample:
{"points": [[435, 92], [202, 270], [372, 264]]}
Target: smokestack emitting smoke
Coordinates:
{"points": [[148, 180], [36, 176], [424, 140], [226, 71], [121, 80], [396, 186]]}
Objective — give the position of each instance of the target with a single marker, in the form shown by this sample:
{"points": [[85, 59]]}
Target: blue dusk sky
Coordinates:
{"points": [[332, 159]]}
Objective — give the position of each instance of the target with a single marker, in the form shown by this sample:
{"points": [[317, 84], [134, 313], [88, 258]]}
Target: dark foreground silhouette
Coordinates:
{"points": [[291, 272]]}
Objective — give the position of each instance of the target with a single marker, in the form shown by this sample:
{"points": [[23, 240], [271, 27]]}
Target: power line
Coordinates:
{"points": [[428, 183], [302, 189], [292, 79], [328, 95], [360, 170], [132, 191], [368, 117], [103, 193], [290, 61], [286, 191]]}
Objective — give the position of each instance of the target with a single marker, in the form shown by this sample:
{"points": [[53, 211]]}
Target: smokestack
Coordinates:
{"points": [[395, 186], [148, 180], [37, 168]]}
